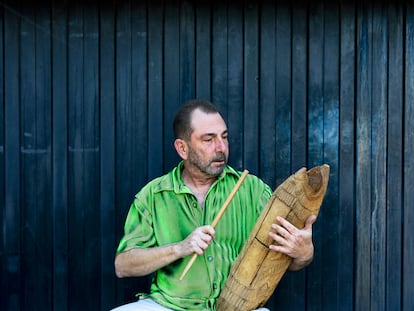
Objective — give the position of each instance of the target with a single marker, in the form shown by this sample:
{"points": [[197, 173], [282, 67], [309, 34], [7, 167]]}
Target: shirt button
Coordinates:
{"points": [[194, 204], [210, 258]]}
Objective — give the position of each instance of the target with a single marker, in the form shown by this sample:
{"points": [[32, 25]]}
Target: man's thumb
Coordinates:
{"points": [[309, 222]]}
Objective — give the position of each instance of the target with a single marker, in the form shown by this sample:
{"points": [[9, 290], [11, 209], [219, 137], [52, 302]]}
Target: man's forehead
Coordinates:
{"points": [[207, 123]]}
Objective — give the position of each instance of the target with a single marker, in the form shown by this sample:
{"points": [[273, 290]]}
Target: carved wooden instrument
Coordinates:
{"points": [[257, 270]]}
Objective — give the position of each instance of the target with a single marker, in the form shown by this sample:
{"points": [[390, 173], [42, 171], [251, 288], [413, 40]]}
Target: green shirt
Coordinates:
{"points": [[165, 211]]}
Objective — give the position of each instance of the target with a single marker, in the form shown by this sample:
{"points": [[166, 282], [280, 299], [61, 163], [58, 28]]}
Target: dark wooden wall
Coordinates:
{"points": [[88, 92]]}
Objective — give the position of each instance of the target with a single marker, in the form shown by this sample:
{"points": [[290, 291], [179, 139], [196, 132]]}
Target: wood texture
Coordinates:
{"points": [[87, 95]]}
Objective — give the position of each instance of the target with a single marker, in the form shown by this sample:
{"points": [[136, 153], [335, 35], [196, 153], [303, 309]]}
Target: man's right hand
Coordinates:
{"points": [[143, 261], [198, 241]]}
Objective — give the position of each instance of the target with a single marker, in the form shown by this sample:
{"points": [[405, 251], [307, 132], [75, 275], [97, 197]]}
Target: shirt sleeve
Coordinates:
{"points": [[138, 229], [263, 194]]}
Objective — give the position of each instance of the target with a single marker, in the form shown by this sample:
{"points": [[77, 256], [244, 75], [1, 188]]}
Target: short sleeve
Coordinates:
{"points": [[138, 229], [264, 198]]}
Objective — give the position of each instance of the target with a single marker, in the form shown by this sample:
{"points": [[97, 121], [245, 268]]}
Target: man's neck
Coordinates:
{"points": [[196, 179], [199, 184]]}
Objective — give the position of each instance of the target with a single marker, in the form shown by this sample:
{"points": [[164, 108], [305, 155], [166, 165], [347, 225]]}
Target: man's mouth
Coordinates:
{"points": [[221, 159]]}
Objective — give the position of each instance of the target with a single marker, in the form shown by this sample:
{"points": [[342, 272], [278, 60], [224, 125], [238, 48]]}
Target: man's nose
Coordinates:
{"points": [[220, 144]]}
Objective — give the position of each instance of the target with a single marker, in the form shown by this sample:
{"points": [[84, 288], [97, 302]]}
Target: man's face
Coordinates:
{"points": [[208, 149]]}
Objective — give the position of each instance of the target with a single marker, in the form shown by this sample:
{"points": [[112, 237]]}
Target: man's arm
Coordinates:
{"points": [[294, 242], [143, 261]]}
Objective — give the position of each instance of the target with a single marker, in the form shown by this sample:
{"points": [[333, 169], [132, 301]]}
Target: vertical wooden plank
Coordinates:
{"points": [[346, 161], [131, 78], [283, 117], [235, 100], [43, 159], [378, 150], [317, 42], [36, 156], [408, 233], [316, 142], [179, 69], [203, 49], [76, 180], [139, 101], [363, 186], [283, 120], [84, 246], [299, 85], [12, 211], [3, 271], [251, 87], [329, 220], [268, 86], [90, 157], [174, 59], [297, 281], [155, 90], [219, 64], [107, 155], [187, 51], [60, 156], [28, 152], [124, 112], [394, 151]]}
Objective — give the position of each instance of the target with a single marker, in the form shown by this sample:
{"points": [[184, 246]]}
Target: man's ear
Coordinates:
{"points": [[181, 148]]}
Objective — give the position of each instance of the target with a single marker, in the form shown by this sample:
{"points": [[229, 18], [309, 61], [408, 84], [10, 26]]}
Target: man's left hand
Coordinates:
{"points": [[294, 242]]}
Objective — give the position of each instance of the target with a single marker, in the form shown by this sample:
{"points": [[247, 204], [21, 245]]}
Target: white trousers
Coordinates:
{"points": [[148, 304]]}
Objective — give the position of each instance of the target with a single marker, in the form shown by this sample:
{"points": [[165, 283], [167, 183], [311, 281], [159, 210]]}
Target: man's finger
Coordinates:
{"points": [[286, 224]]}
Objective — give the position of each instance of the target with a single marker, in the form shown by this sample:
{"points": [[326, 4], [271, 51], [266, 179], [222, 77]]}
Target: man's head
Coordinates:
{"points": [[182, 121], [201, 138]]}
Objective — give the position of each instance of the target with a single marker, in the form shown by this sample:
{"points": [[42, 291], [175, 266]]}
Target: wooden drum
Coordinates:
{"points": [[257, 270]]}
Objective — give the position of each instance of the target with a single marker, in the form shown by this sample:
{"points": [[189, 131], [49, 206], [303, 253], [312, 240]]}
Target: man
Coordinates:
{"points": [[169, 220]]}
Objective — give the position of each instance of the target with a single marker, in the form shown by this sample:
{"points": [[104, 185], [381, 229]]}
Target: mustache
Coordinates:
{"points": [[218, 157]]}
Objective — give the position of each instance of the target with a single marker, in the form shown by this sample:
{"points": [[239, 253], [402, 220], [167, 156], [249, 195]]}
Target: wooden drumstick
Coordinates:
{"points": [[216, 220]]}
